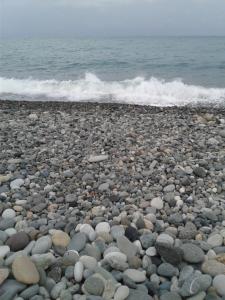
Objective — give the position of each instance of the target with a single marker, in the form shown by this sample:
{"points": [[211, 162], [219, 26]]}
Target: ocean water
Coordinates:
{"points": [[155, 71]]}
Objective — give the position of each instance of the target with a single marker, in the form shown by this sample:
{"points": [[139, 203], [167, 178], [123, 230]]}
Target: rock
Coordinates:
{"points": [[4, 250], [170, 254], [147, 240], [7, 223], [157, 203], [138, 294], [165, 239], [78, 271], [24, 270], [18, 241], [103, 187], [131, 233], [102, 227], [78, 242], [29, 292], [116, 260], [199, 296], [170, 296], [94, 285], [126, 246], [42, 245], [136, 275], [89, 231], [188, 232], [219, 284], [167, 270], [57, 289], [4, 273], [16, 184], [60, 239], [97, 158], [5, 178], [8, 213], [66, 295], [89, 262], [169, 188], [70, 258], [10, 288], [215, 240], [192, 253], [117, 230], [199, 172], [213, 267], [122, 293], [43, 260]]}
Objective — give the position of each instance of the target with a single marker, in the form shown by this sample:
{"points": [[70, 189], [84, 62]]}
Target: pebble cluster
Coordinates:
{"points": [[101, 202]]}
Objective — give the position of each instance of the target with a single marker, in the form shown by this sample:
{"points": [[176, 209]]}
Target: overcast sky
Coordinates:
{"points": [[94, 18]]}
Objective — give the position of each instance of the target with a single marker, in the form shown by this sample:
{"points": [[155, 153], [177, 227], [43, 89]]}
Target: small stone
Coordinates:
{"points": [[78, 242], [122, 293], [219, 284], [169, 188], [117, 230], [131, 233], [24, 270], [167, 270], [199, 172], [213, 267], [60, 239], [78, 271], [89, 231], [170, 296], [4, 273], [136, 275], [126, 246], [4, 250], [42, 245], [7, 223], [89, 262], [30, 292], [165, 239], [94, 285], [18, 241], [157, 203], [102, 227], [8, 213], [192, 253], [97, 158], [215, 240], [16, 184], [57, 289], [103, 187]]}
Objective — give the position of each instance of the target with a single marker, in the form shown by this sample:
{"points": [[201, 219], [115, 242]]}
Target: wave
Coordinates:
{"points": [[139, 90]]}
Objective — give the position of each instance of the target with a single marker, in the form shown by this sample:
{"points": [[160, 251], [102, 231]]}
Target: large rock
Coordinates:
{"points": [[25, 271]]}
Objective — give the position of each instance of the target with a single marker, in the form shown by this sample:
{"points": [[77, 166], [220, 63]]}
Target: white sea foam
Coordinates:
{"points": [[132, 91]]}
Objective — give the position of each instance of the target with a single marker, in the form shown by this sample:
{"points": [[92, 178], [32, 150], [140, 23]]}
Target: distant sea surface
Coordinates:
{"points": [[148, 71]]}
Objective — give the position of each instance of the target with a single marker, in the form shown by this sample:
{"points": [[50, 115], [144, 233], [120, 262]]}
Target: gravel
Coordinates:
{"points": [[106, 201]]}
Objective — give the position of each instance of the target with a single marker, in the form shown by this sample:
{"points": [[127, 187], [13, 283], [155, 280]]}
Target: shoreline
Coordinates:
{"points": [[65, 105]]}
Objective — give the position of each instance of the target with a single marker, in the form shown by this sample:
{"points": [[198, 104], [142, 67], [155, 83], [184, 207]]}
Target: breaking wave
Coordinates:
{"points": [[139, 90]]}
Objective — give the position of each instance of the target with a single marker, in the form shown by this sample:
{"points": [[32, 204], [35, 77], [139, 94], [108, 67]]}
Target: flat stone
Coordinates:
{"points": [[97, 158], [164, 238], [219, 284], [42, 245], [60, 239], [192, 253], [167, 270], [136, 275], [77, 242], [24, 270], [126, 246], [10, 288], [170, 254], [18, 241], [29, 292], [213, 267]]}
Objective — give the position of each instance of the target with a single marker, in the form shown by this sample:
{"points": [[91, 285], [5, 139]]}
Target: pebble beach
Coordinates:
{"points": [[111, 201]]}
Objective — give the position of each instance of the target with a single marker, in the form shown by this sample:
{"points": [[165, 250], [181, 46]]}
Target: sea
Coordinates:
{"points": [[156, 71]]}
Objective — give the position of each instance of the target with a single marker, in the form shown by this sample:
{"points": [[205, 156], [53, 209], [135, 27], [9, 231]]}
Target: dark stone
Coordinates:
{"points": [[131, 233], [18, 241], [199, 172], [129, 282], [170, 254]]}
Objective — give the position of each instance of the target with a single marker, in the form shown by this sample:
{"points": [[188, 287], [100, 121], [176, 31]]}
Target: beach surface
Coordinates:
{"points": [[111, 201]]}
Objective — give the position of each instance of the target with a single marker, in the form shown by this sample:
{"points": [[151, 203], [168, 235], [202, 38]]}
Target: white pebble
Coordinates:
{"points": [[157, 203], [8, 213], [4, 250], [151, 251], [78, 271], [102, 227], [122, 293]]}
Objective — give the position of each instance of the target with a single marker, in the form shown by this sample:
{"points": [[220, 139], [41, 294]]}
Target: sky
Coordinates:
{"points": [[110, 18]]}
